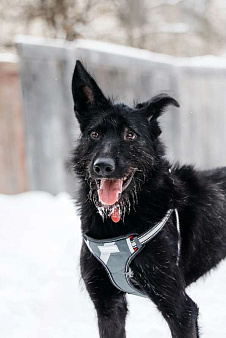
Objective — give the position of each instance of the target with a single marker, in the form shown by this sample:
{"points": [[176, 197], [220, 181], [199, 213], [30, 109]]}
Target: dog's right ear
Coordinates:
{"points": [[85, 91]]}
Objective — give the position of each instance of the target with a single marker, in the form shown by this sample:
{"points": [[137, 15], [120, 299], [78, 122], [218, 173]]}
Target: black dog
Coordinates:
{"points": [[128, 186]]}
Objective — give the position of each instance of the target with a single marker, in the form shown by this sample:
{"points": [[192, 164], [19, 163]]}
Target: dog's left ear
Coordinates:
{"points": [[154, 108]]}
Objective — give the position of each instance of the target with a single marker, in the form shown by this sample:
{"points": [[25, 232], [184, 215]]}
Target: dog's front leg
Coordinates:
{"points": [[111, 312], [165, 287], [110, 303]]}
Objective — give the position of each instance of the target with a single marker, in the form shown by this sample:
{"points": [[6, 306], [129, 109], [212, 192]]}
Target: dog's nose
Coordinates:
{"points": [[104, 166]]}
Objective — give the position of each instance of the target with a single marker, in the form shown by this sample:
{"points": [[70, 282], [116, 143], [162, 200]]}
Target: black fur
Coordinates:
{"points": [[199, 196]]}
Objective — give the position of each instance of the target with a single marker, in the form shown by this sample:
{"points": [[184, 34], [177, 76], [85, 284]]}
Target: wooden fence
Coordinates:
{"points": [[195, 133], [13, 176]]}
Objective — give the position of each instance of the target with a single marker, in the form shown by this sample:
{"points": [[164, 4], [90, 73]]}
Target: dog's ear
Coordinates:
{"points": [[154, 108], [85, 91]]}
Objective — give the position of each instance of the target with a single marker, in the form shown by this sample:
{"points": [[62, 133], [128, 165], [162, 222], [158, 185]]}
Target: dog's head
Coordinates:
{"points": [[119, 146]]}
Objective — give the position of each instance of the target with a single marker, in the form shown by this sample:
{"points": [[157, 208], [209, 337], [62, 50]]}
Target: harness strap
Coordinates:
{"points": [[179, 235], [117, 253], [148, 235]]}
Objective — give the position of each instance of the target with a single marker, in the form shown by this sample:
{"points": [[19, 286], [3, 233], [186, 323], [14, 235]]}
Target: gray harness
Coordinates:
{"points": [[116, 254]]}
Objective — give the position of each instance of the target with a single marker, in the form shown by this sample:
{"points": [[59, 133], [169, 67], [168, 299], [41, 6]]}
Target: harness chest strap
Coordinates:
{"points": [[116, 254]]}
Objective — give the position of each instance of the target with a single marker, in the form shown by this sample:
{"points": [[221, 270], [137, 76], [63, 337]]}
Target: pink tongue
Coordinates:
{"points": [[109, 191]]}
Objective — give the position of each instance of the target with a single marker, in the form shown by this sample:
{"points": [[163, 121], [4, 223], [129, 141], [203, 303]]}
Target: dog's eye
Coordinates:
{"points": [[130, 135], [94, 135]]}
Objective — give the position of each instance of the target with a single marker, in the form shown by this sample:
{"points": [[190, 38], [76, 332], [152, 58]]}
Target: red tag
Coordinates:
{"points": [[115, 216]]}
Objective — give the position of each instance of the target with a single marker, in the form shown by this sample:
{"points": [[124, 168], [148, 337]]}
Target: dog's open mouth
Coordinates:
{"points": [[110, 190]]}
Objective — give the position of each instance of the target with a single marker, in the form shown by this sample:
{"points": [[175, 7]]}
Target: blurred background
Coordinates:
{"points": [[134, 49]]}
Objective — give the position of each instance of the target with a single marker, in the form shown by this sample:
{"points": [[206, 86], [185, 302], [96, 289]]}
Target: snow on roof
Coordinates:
{"points": [[8, 57], [37, 40], [208, 61]]}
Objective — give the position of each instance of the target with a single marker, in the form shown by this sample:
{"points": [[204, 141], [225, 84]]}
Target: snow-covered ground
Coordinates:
{"points": [[41, 295]]}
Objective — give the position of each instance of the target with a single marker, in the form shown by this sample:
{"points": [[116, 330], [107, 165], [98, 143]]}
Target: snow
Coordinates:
{"points": [[41, 41], [202, 62], [8, 58], [40, 289]]}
